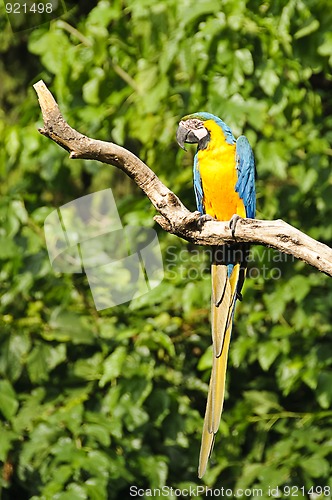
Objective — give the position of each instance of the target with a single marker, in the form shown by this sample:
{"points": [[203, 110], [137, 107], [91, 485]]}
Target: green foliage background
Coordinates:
{"points": [[92, 403]]}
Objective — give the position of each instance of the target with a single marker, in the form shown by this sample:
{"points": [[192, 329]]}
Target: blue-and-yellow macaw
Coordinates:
{"points": [[224, 184]]}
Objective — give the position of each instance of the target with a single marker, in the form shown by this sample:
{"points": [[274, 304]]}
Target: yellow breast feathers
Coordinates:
{"points": [[217, 166]]}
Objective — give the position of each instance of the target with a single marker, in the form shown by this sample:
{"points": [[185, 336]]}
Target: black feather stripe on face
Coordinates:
{"points": [[203, 143]]}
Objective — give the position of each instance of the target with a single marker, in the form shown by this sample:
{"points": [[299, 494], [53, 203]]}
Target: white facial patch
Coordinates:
{"points": [[200, 133]]}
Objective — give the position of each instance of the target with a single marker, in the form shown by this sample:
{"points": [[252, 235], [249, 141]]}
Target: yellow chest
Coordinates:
{"points": [[217, 166]]}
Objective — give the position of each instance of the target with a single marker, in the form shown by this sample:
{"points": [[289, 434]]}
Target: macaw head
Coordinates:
{"points": [[198, 127]]}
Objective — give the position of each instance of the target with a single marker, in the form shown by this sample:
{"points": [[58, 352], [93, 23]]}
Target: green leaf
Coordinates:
{"points": [[52, 47], [74, 492], [8, 400], [275, 303], [262, 401], [156, 469], [315, 466], [90, 368], [97, 433], [267, 353], [269, 81], [274, 476], [13, 353], [8, 248], [197, 10], [309, 180], [300, 287], [245, 58], [96, 488], [112, 365], [326, 48], [250, 473], [205, 361], [68, 326], [6, 438], [241, 349], [91, 88], [289, 373], [307, 30], [156, 340], [42, 359], [324, 389]]}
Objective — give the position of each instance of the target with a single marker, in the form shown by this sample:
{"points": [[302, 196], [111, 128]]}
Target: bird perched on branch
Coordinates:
{"points": [[224, 184]]}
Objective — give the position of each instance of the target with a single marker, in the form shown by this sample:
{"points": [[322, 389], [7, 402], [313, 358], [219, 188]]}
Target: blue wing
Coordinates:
{"points": [[198, 186], [245, 165]]}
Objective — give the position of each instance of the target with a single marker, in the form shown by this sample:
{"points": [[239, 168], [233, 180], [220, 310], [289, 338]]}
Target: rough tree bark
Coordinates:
{"points": [[174, 216]]}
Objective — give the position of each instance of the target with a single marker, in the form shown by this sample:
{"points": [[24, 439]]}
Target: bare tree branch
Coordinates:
{"points": [[174, 216]]}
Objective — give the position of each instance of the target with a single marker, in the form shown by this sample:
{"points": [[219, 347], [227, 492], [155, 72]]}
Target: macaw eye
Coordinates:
{"points": [[197, 123]]}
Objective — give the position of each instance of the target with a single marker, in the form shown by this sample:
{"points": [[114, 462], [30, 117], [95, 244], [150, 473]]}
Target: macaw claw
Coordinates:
{"points": [[233, 222], [202, 219]]}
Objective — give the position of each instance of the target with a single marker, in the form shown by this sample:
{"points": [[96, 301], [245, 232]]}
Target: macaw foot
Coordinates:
{"points": [[233, 222], [204, 218]]}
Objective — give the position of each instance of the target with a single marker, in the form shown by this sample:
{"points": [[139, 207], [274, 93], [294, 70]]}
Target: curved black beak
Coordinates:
{"points": [[183, 134]]}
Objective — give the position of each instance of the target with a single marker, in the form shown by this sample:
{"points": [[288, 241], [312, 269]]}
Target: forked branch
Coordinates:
{"points": [[173, 216]]}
